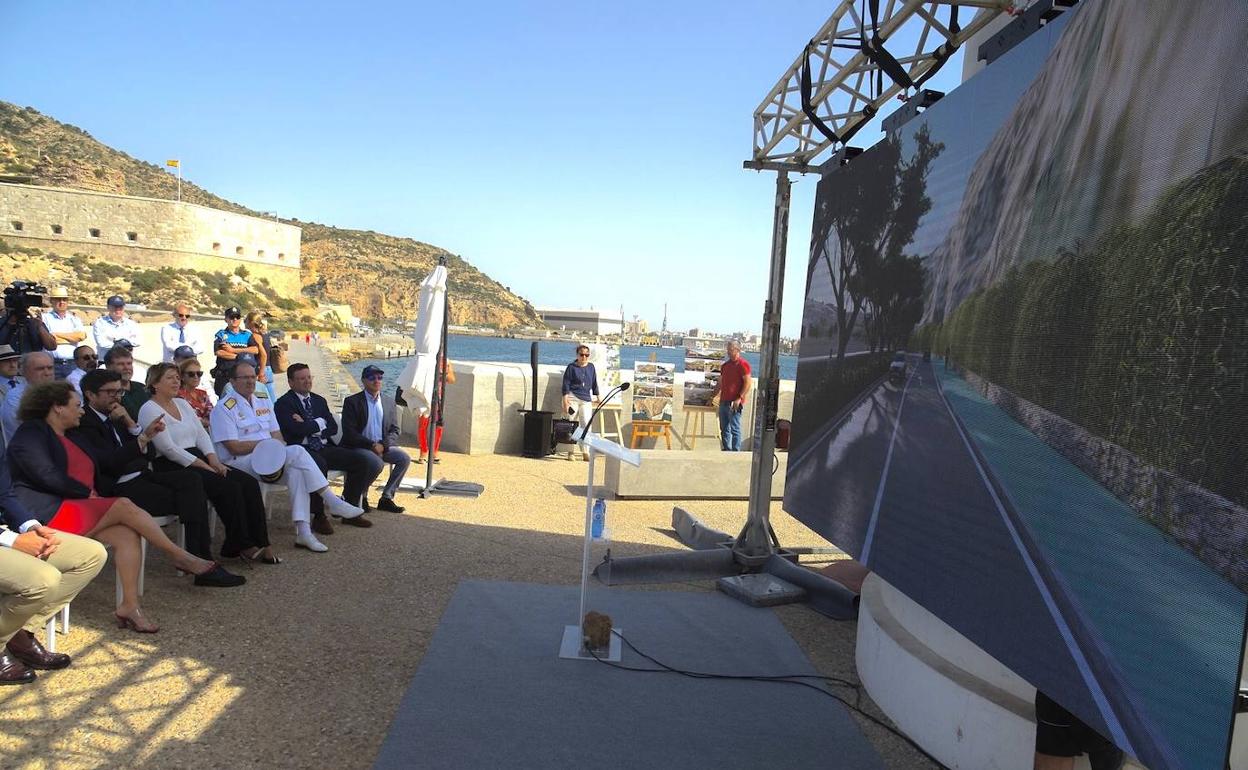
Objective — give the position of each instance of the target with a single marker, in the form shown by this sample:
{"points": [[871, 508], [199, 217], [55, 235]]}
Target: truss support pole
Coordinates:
{"points": [[755, 544]]}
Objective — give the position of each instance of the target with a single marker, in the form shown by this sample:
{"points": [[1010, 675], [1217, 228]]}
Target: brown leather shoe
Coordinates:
{"points": [[358, 521], [321, 525], [26, 648], [13, 671]]}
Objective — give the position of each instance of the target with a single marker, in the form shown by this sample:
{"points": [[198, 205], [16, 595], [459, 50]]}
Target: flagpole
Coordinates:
{"points": [[179, 181]]}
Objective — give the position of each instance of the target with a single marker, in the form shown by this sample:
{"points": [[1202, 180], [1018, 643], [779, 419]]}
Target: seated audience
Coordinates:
{"points": [[107, 433], [243, 419], [184, 446], [36, 368], [55, 480], [120, 359], [41, 570], [191, 372], [306, 421], [85, 360], [370, 427]]}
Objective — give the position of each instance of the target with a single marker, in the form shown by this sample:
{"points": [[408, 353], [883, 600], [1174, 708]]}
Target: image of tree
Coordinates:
{"points": [[864, 219]]}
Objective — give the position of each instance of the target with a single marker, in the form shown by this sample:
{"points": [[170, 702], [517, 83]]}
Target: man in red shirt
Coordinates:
{"points": [[733, 389]]}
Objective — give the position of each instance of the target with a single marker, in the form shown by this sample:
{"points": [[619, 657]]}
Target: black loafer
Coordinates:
{"points": [[219, 577], [386, 504]]}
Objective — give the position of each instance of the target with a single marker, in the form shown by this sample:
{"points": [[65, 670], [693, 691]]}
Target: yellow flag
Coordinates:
{"points": [[174, 163]]}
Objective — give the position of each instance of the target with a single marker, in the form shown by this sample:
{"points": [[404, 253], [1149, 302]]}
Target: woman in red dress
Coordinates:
{"points": [[55, 478]]}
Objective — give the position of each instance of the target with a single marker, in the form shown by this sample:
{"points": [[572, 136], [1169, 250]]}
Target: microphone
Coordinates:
{"points": [[610, 394]]}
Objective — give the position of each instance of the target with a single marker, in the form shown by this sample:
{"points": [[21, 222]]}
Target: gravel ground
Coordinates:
{"points": [[306, 664]]}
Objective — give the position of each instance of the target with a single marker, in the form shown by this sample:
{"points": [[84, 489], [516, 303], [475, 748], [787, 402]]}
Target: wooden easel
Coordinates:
{"points": [[651, 429], [613, 411], [699, 413]]}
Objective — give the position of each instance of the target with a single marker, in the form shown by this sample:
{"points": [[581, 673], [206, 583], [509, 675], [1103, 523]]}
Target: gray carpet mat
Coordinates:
{"points": [[492, 691]]}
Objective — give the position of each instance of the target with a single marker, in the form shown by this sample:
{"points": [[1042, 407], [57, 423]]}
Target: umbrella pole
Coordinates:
{"points": [[442, 486]]}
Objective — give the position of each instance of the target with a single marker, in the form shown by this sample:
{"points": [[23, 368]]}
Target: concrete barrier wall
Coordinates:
{"points": [[482, 409]]}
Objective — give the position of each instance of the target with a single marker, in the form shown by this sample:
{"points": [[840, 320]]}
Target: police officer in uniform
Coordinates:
{"points": [[244, 418], [230, 343]]}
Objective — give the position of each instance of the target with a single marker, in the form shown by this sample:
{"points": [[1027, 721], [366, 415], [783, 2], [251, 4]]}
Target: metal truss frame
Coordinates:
{"points": [[847, 74]]}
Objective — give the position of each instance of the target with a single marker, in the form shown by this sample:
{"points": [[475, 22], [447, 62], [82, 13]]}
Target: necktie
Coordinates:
{"points": [[181, 334], [314, 441], [12, 383]]}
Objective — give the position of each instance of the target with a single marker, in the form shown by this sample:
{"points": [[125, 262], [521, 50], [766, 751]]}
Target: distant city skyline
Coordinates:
{"points": [[581, 155]]}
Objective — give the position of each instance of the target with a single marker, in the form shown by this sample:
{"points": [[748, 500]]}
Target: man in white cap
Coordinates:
{"points": [[10, 359], [180, 334], [244, 418], [115, 325], [66, 327]]}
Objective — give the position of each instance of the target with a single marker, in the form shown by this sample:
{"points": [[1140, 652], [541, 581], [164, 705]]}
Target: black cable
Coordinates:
{"points": [[782, 679]]}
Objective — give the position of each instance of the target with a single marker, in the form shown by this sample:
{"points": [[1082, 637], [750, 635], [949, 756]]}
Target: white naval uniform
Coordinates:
{"points": [[234, 418]]}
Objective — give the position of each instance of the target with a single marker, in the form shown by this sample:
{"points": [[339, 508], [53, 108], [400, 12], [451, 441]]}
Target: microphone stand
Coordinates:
{"points": [[601, 403]]}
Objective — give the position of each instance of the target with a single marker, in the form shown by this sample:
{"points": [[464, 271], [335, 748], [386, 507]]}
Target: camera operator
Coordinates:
{"points": [[22, 329]]}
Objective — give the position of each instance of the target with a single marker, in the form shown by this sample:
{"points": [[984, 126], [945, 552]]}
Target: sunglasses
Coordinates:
{"points": [[374, 376], [582, 355], [193, 374], [182, 315], [88, 358]]}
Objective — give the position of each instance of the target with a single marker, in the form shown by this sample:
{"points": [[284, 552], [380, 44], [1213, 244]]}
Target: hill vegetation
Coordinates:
{"points": [[378, 275]]}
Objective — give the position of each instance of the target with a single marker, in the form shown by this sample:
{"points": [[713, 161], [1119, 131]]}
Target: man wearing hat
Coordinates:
{"points": [[370, 427], [242, 421], [9, 361], [66, 327], [229, 344], [180, 334], [115, 326], [85, 360]]}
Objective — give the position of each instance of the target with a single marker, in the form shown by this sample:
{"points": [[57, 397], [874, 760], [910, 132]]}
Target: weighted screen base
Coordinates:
{"points": [[453, 488]]}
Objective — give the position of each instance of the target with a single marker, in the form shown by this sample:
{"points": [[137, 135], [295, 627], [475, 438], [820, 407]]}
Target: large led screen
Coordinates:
{"points": [[1022, 395]]}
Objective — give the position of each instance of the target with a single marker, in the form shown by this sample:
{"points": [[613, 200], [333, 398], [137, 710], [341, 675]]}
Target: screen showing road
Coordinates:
{"points": [[1022, 396]]}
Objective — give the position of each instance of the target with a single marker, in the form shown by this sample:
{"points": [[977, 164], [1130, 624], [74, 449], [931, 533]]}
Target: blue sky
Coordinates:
{"points": [[582, 154]]}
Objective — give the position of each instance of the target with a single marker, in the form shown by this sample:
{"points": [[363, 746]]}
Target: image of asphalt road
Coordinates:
{"points": [[949, 500]]}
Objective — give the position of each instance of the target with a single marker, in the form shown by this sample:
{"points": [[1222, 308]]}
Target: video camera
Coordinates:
{"points": [[21, 296]]}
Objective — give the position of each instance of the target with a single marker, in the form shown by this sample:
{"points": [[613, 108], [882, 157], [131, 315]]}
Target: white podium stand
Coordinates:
{"points": [[572, 646]]}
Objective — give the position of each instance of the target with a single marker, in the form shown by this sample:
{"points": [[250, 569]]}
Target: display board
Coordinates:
{"points": [[653, 390], [1023, 392], [701, 375]]}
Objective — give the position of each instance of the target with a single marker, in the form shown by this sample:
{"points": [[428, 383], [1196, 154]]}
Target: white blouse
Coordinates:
{"points": [[178, 435]]}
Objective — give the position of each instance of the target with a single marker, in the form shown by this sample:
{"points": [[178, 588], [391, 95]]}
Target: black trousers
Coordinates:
{"points": [[236, 498], [173, 493], [360, 473]]}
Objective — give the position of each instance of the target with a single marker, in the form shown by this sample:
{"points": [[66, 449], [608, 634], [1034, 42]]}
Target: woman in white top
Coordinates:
{"points": [[185, 444]]}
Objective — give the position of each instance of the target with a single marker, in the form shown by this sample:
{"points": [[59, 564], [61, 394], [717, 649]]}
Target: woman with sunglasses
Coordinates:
{"points": [[191, 373], [185, 444], [580, 389]]}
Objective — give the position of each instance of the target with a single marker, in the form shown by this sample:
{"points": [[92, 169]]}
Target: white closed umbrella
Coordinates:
{"points": [[419, 377]]}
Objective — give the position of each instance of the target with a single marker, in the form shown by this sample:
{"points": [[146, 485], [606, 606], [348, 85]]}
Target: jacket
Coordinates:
{"points": [[112, 460], [355, 420], [293, 431], [40, 466]]}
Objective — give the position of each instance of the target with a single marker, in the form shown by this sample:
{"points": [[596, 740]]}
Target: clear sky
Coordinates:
{"points": [[583, 154]]}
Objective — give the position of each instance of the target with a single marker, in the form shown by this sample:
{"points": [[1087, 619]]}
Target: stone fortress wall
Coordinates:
{"points": [[150, 232]]}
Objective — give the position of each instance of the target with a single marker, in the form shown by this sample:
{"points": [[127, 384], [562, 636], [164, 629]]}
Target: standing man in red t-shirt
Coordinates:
{"points": [[733, 389]]}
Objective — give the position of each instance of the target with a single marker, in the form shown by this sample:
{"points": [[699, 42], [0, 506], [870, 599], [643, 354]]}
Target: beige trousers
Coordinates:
{"points": [[32, 589]]}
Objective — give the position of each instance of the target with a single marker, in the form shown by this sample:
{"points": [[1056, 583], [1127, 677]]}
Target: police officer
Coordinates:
{"points": [[229, 344], [244, 418]]}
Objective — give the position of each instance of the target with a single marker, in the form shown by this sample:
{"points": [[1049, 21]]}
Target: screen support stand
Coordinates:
{"points": [[757, 541]]}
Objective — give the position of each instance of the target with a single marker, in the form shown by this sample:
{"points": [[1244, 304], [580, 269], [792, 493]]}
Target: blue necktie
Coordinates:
{"points": [[314, 441], [181, 334]]}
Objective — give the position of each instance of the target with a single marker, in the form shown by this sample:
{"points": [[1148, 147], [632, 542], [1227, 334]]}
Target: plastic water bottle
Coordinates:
{"points": [[598, 522]]}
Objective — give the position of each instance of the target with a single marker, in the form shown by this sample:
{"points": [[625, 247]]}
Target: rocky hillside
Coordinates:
{"points": [[379, 275]]}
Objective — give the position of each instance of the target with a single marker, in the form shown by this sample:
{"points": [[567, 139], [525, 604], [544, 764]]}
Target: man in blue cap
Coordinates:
{"points": [[115, 326], [370, 427]]}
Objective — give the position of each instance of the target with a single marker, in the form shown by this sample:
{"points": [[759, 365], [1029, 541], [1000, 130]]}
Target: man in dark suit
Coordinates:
{"points": [[370, 427], [109, 434], [305, 420]]}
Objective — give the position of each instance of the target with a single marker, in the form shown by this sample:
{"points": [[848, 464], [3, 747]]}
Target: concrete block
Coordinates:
{"points": [[688, 476]]}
